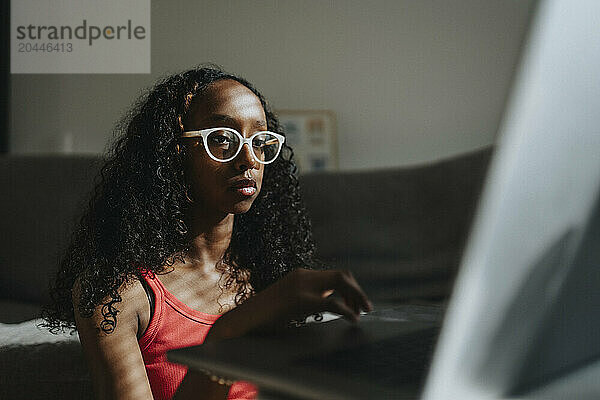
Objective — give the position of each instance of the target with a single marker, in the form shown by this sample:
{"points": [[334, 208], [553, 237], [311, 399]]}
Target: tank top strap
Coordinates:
{"points": [[171, 302], [157, 313]]}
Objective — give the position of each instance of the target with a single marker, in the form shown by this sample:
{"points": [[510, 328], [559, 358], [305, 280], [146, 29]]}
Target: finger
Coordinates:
{"points": [[347, 287], [353, 304], [350, 302], [361, 298], [336, 306], [352, 292]]}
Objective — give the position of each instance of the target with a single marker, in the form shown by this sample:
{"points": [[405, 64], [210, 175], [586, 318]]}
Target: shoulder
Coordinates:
{"points": [[129, 313], [112, 351]]}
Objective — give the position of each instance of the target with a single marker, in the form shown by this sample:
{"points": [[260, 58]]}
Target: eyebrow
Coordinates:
{"points": [[230, 120]]}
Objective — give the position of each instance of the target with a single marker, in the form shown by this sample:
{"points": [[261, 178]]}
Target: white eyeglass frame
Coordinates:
{"points": [[205, 132]]}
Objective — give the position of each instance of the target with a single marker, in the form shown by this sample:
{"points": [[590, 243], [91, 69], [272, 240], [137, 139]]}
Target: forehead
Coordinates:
{"points": [[227, 98]]}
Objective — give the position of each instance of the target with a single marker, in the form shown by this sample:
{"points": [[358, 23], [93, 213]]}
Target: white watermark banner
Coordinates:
{"points": [[80, 36]]}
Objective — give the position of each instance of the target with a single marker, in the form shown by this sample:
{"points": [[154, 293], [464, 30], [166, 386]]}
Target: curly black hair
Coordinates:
{"points": [[136, 215]]}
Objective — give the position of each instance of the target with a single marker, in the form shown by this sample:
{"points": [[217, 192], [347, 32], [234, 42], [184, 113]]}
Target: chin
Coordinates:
{"points": [[242, 206]]}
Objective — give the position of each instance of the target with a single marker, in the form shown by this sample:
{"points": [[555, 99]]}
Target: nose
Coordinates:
{"points": [[245, 159]]}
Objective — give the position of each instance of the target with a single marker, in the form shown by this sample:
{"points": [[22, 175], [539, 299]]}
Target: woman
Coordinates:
{"points": [[195, 233]]}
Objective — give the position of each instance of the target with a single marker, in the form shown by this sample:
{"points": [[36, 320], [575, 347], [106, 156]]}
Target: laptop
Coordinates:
{"points": [[522, 320]]}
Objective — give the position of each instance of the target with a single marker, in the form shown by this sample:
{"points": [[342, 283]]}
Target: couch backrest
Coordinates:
{"points": [[403, 213], [40, 199]]}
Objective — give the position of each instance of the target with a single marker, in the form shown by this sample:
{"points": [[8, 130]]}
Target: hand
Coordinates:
{"points": [[301, 292]]}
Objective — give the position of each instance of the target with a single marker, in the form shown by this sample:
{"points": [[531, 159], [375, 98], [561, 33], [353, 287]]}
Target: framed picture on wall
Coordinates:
{"points": [[312, 136]]}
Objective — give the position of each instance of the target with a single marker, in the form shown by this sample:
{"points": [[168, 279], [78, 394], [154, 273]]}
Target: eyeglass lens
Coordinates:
{"points": [[224, 144]]}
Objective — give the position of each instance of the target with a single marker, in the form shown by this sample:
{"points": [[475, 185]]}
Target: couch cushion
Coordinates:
{"points": [[40, 200], [14, 312], [35, 364], [393, 280]]}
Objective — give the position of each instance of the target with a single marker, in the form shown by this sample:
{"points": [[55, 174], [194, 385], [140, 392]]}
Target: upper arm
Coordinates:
{"points": [[115, 360]]}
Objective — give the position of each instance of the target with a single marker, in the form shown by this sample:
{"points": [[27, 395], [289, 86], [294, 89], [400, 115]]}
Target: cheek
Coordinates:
{"points": [[203, 174], [259, 177]]}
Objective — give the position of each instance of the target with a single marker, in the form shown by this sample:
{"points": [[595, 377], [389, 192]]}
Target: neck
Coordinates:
{"points": [[211, 235]]}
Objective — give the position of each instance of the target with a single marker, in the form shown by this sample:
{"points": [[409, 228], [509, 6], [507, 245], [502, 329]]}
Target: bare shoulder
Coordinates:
{"points": [[113, 351], [132, 307]]}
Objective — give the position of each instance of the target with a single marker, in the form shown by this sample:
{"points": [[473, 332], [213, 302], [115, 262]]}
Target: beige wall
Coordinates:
{"points": [[410, 81]]}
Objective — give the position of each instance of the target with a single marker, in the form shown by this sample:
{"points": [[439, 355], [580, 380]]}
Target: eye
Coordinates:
{"points": [[219, 139], [222, 139], [260, 141]]}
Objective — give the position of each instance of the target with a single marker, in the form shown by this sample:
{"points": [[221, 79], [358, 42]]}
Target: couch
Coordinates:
{"points": [[401, 231]]}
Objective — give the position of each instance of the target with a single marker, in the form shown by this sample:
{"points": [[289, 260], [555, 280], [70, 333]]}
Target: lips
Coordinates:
{"points": [[244, 183], [245, 186]]}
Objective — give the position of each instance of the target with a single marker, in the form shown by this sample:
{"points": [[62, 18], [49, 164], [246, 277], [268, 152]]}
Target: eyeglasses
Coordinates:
{"points": [[224, 144]]}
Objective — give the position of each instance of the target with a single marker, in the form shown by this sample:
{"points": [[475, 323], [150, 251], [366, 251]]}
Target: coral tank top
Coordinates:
{"points": [[174, 325]]}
